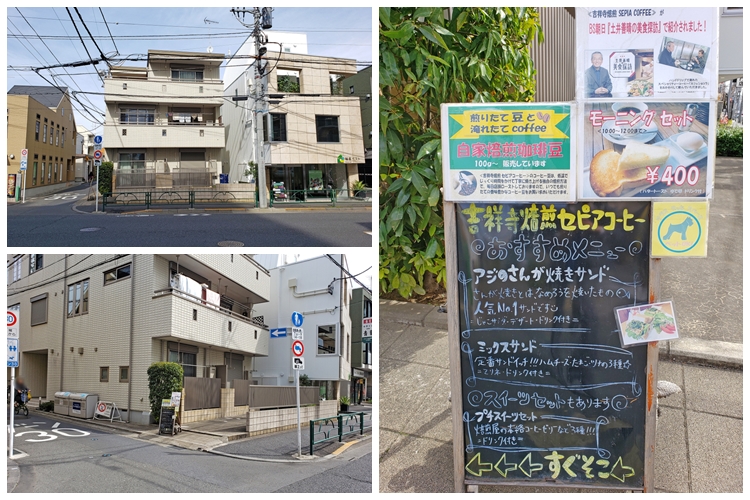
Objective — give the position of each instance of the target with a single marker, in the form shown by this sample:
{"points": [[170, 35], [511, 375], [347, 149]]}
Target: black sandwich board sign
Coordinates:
{"points": [[166, 420], [543, 391]]}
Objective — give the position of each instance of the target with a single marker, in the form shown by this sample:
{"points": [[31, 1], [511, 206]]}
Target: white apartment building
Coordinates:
{"points": [[317, 289], [84, 149], [95, 323], [163, 122], [312, 139]]}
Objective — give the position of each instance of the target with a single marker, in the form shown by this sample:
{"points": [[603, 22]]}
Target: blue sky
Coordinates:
{"points": [[330, 32]]}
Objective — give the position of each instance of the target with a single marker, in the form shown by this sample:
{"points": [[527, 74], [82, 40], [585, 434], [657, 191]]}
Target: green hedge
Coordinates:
{"points": [[163, 379], [105, 177], [729, 141]]}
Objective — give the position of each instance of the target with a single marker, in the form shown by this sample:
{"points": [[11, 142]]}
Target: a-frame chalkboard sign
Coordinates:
{"points": [[543, 394]]}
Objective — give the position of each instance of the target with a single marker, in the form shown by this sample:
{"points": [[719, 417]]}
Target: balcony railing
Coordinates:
{"points": [[244, 314], [195, 119]]}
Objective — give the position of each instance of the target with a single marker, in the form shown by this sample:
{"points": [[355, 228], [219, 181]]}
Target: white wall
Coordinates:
{"points": [[319, 309], [730, 47]]}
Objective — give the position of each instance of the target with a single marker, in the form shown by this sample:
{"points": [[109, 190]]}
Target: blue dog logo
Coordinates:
{"points": [[681, 228]]}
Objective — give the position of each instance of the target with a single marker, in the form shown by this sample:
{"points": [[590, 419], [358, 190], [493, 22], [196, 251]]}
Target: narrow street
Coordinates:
{"points": [[60, 456]]}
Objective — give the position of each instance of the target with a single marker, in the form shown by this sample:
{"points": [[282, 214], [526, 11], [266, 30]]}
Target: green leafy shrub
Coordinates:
{"points": [[728, 141], [105, 177], [47, 406], [164, 378], [477, 55]]}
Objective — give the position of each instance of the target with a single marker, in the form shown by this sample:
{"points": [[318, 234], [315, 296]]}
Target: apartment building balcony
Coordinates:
{"points": [[164, 90], [191, 319], [163, 133]]}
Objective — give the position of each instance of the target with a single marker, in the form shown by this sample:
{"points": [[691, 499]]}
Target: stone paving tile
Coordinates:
{"points": [[670, 460], [715, 453], [417, 465], [425, 345], [713, 390]]}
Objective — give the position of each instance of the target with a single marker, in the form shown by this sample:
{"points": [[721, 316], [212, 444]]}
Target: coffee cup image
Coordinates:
{"points": [[464, 183]]}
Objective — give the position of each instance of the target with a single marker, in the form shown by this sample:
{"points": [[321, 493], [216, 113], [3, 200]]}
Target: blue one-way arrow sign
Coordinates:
{"points": [[278, 333]]}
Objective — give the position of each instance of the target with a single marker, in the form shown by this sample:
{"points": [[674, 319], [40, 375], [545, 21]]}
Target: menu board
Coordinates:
{"points": [[508, 151], [166, 423], [548, 393]]}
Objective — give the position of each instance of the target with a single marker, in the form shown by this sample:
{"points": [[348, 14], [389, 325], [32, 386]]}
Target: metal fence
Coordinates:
{"points": [[240, 391], [202, 393], [272, 396], [148, 178]]}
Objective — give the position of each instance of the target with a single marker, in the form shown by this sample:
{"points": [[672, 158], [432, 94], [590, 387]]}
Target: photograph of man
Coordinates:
{"points": [[700, 60], [598, 83], [666, 55]]}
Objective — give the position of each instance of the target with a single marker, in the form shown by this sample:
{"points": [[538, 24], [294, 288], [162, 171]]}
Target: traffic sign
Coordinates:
{"points": [[12, 352], [277, 333], [298, 363], [297, 333], [23, 165], [13, 312], [297, 319], [97, 139], [98, 154], [298, 348], [24, 152], [97, 163]]}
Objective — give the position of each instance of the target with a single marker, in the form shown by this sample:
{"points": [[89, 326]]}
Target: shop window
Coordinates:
{"points": [[78, 298], [117, 274], [327, 339], [39, 309], [327, 128]]}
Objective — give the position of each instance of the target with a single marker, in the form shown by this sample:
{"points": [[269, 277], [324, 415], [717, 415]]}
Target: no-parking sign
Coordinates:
{"points": [[298, 348]]}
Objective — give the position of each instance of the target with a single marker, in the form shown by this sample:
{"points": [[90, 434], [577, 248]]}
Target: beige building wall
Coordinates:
{"points": [[22, 111]]}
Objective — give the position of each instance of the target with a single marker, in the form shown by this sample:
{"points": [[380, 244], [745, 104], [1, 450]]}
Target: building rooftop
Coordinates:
{"points": [[43, 94]]}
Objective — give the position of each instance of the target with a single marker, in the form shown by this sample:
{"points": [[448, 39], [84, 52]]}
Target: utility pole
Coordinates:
{"points": [[261, 20]]}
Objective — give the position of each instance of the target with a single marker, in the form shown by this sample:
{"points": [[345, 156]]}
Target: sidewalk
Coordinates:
{"points": [[699, 433]]}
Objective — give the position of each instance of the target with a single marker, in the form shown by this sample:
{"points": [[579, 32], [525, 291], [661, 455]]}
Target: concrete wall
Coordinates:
{"points": [[267, 421]]}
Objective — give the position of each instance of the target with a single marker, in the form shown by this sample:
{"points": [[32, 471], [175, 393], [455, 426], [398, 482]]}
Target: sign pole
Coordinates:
{"points": [[11, 427], [299, 421], [23, 191], [97, 189]]}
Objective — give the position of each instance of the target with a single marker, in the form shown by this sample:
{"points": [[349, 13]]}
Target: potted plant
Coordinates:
{"points": [[345, 401], [359, 189]]}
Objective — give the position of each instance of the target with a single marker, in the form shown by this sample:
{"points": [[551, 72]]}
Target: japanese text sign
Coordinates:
{"points": [[508, 151]]}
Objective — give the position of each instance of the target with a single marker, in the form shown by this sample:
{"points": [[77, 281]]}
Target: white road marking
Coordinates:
{"points": [[56, 425], [40, 422]]}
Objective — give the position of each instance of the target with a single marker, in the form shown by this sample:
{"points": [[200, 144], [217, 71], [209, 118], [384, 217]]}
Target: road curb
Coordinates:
{"points": [[252, 459], [708, 352]]}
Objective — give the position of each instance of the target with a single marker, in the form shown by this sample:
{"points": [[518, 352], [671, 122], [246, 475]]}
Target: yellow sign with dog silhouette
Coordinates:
{"points": [[679, 229]]}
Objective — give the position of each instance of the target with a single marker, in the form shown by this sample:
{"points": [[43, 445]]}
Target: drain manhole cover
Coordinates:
{"points": [[230, 243], [90, 229]]}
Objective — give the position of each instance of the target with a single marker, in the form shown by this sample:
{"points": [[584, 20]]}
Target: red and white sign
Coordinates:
{"points": [[367, 327], [98, 154], [24, 152], [13, 312], [298, 349]]}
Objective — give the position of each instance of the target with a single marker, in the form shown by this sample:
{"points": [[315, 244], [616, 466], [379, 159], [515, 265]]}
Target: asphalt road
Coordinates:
{"points": [[83, 458], [51, 221]]}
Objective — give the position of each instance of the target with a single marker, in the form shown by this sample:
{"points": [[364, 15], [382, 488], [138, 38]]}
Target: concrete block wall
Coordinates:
{"points": [[267, 421]]}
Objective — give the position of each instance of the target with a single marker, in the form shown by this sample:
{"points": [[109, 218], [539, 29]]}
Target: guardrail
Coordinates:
{"points": [[337, 427], [172, 197]]}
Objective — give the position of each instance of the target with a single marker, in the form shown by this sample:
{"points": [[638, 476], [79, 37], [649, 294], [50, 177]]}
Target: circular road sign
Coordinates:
{"points": [[298, 349], [297, 319], [12, 318], [24, 152], [101, 407], [98, 154], [97, 139]]}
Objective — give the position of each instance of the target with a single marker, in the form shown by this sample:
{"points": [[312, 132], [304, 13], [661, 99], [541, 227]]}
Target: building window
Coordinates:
{"points": [[201, 132], [33, 177], [16, 272], [187, 75], [62, 144], [287, 81], [351, 89], [256, 334], [39, 309], [44, 136], [117, 274], [104, 374], [278, 127], [327, 128], [43, 167], [57, 138], [186, 359], [78, 298], [163, 132], [230, 326], [132, 160], [337, 84], [124, 86], [36, 131], [137, 116], [367, 309], [200, 89], [327, 339], [124, 131], [124, 374], [195, 314], [256, 275], [36, 262]]}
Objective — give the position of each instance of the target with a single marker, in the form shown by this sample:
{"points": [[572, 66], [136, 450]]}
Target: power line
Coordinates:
{"points": [[101, 53], [110, 32], [347, 272], [180, 36]]}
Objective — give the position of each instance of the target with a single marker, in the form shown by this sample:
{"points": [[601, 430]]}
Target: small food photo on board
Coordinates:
{"points": [[646, 323]]}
